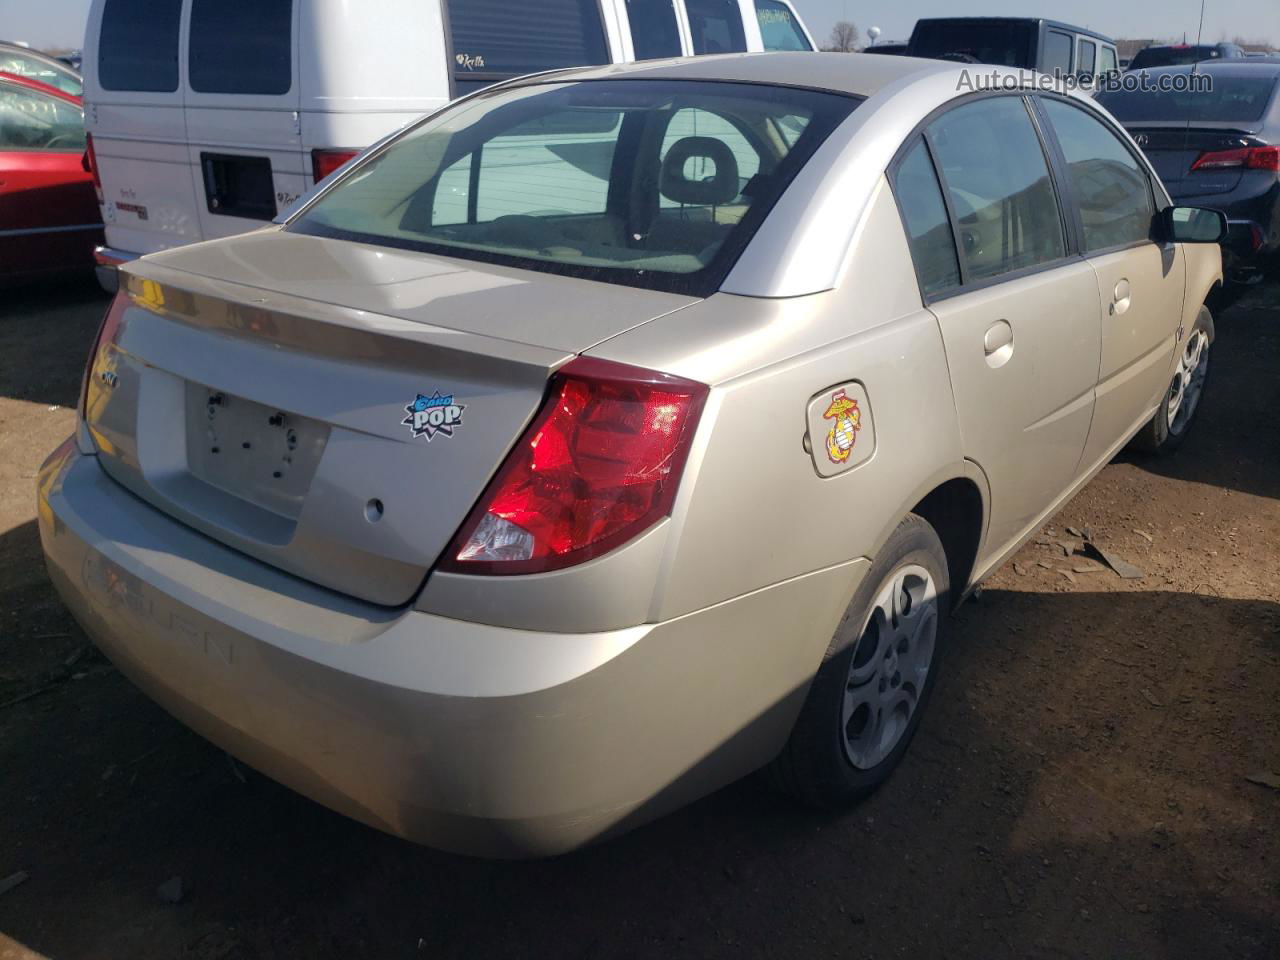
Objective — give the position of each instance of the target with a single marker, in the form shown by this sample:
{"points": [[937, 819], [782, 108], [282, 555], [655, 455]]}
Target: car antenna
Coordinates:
{"points": [[1195, 68]]}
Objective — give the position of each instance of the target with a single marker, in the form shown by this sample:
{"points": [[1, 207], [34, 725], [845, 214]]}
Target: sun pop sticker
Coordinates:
{"points": [[435, 414]]}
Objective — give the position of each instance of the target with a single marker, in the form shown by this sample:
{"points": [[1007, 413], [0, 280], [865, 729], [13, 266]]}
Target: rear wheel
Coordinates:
{"points": [[1172, 421], [868, 696]]}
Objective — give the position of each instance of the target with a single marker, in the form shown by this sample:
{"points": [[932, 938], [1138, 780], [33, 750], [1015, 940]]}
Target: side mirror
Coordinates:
{"points": [[1194, 225]]}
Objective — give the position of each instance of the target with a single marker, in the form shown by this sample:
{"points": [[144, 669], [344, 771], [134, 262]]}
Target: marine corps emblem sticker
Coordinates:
{"points": [[846, 421]]}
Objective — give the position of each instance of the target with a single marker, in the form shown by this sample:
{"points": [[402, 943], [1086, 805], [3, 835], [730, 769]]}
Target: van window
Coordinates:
{"points": [[716, 26], [778, 27], [654, 32], [1110, 186], [933, 246], [238, 46], [37, 121], [1088, 57], [1057, 53], [497, 39], [138, 45], [997, 179], [1008, 42]]}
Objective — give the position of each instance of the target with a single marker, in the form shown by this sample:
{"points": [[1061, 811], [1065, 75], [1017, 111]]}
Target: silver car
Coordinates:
{"points": [[614, 433]]}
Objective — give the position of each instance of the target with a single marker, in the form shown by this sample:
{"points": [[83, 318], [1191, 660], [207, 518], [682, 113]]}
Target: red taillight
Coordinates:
{"points": [[107, 331], [91, 165], [1244, 158], [324, 162], [599, 464]]}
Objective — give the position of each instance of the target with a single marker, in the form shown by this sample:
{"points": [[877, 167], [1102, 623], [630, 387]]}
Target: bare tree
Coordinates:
{"points": [[843, 38]]}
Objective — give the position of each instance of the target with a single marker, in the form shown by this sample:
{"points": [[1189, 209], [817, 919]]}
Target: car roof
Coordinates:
{"points": [[837, 72], [39, 87]]}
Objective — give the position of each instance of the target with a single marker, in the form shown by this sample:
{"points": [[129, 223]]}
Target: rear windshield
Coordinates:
{"points": [[138, 45], [37, 68], [650, 183], [497, 39], [997, 41], [1232, 100], [241, 46], [1172, 56]]}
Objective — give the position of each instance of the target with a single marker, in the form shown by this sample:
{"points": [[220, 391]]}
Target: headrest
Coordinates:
{"points": [[719, 187]]}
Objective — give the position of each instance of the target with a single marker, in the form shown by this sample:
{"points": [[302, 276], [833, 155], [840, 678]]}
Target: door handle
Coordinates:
{"points": [[1122, 297], [997, 343]]}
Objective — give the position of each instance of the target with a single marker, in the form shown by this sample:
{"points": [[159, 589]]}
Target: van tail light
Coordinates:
{"points": [[107, 331], [599, 464], [324, 162], [1244, 158], [90, 163]]}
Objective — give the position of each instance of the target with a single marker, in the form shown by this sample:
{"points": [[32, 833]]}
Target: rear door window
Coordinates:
{"points": [[138, 45], [778, 27], [36, 121], [997, 180], [241, 47], [716, 26], [1107, 60], [924, 213], [1057, 53], [497, 39], [654, 32], [1088, 57]]}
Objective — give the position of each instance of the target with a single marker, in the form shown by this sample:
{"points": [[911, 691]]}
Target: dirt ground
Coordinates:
{"points": [[1080, 787]]}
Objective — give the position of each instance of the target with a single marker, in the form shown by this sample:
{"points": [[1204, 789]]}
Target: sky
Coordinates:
{"points": [[60, 23]]}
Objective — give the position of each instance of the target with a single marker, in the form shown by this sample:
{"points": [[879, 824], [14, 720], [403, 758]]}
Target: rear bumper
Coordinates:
{"points": [[467, 737], [105, 262]]}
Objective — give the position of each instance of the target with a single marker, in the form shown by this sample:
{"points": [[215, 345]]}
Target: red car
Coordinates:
{"points": [[49, 218]]}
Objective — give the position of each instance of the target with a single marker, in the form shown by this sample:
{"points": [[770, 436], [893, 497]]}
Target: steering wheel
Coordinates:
{"points": [[70, 138]]}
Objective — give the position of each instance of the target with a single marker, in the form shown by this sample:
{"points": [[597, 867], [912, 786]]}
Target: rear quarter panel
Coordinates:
{"points": [[753, 510]]}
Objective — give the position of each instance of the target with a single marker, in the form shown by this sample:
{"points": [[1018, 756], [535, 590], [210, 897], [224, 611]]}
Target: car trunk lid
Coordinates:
{"points": [[1174, 148], [342, 441]]}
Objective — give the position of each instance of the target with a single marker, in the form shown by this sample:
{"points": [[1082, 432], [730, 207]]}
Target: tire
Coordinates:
{"points": [[1168, 428], [833, 759]]}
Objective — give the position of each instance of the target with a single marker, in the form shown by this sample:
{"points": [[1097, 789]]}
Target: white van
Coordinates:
{"points": [[209, 117]]}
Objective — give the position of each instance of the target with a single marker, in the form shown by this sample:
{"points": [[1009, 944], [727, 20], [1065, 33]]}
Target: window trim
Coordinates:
{"points": [[1071, 249], [1125, 141]]}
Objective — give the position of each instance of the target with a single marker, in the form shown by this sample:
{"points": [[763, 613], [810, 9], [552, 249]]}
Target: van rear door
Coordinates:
{"points": [[243, 101], [134, 110]]}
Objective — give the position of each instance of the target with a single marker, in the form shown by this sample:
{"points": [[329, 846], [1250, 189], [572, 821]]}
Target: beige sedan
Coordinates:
{"points": [[615, 433]]}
